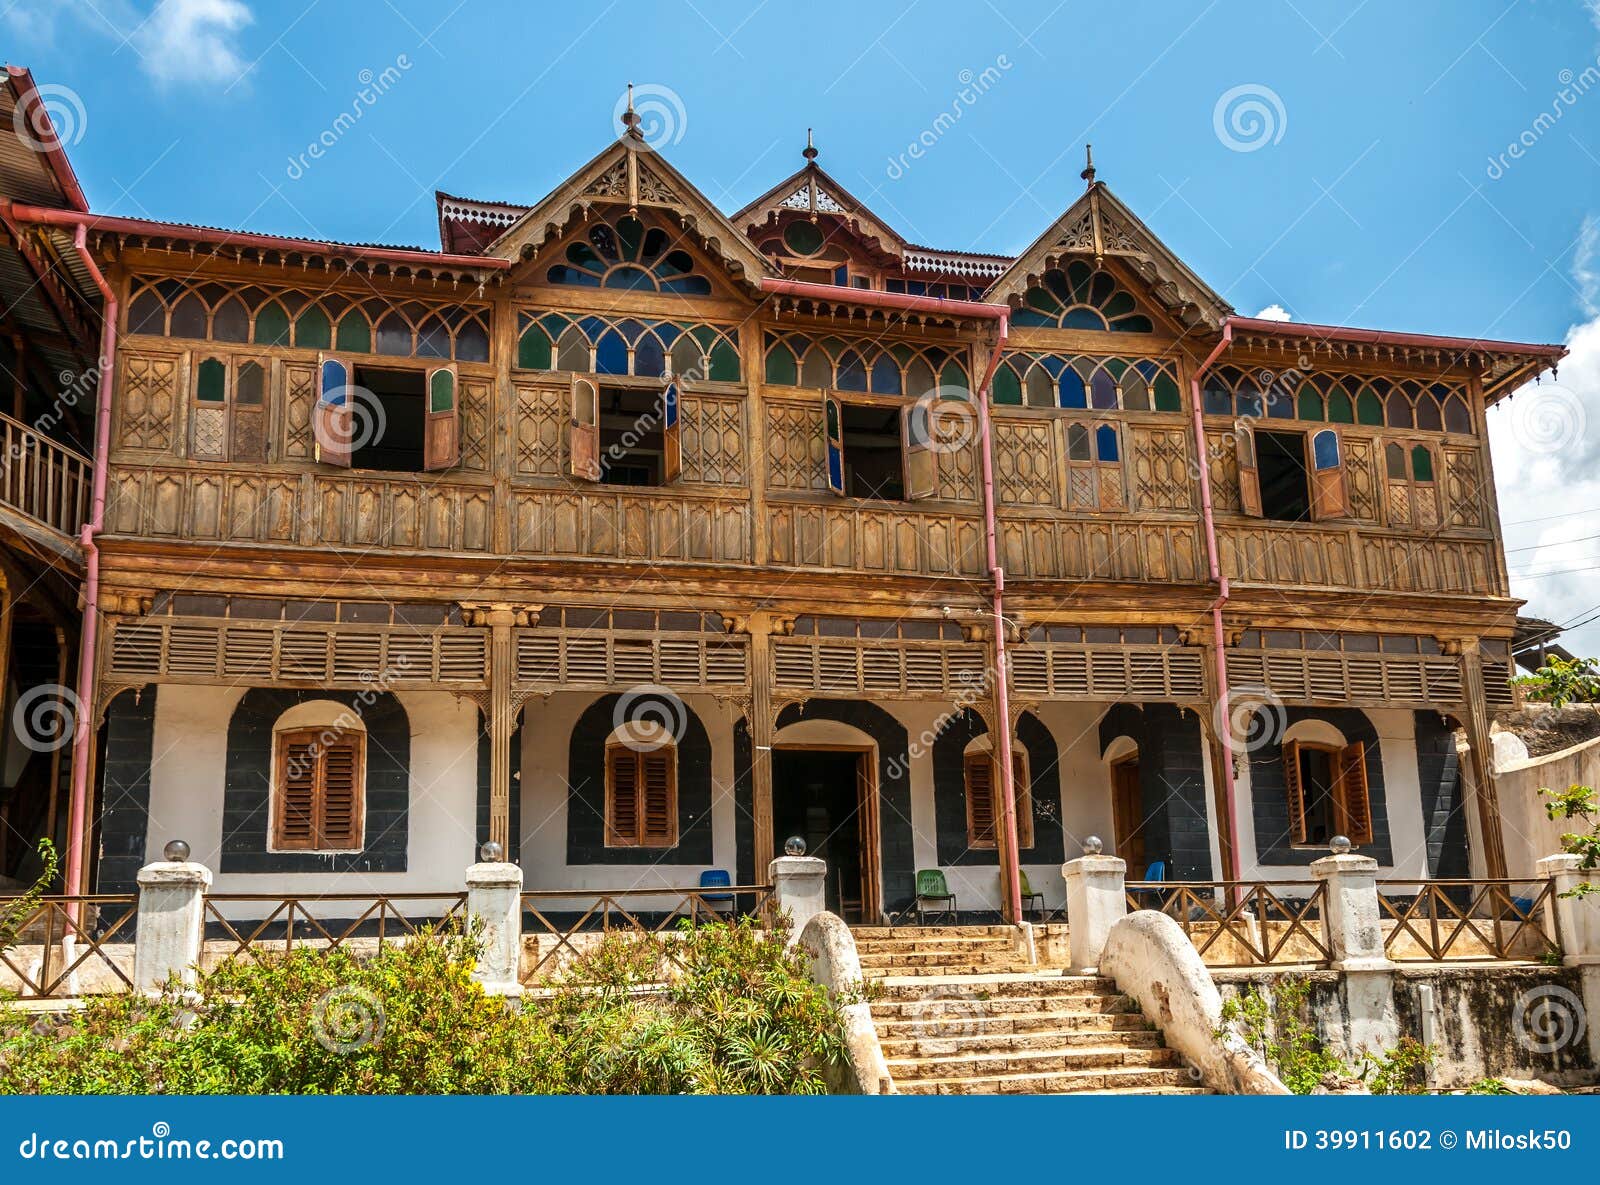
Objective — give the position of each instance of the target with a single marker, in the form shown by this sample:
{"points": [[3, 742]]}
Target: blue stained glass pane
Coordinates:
{"points": [[633, 278], [1280, 404], [1217, 400], [1105, 442], [668, 332], [334, 381], [1072, 390], [835, 467], [1029, 317], [1053, 365], [1103, 390], [669, 406], [1147, 368], [611, 354], [852, 375], [553, 324], [648, 356], [688, 286], [1325, 450], [593, 327], [630, 330], [1250, 403], [1082, 318], [886, 375]]}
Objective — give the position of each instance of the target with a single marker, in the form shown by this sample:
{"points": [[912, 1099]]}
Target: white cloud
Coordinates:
{"points": [[176, 41], [1274, 312]]}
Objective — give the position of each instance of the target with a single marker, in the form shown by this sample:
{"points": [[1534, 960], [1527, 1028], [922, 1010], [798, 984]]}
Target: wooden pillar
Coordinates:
{"points": [[763, 723], [500, 620], [1214, 736], [1482, 757]]}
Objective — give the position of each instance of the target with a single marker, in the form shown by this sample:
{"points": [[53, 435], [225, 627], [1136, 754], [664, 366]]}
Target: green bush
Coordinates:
{"points": [[741, 1017]]}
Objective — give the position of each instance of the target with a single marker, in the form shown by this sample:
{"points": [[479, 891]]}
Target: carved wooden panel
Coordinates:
{"points": [[862, 666], [477, 446], [1160, 458], [1404, 564], [207, 504], [1100, 549], [626, 526], [403, 513], [956, 439], [1265, 554], [1025, 462], [795, 454], [1323, 676], [299, 404], [1223, 462], [713, 440], [147, 400], [541, 414], [1361, 478], [609, 658], [886, 539], [1064, 670], [1463, 487]]}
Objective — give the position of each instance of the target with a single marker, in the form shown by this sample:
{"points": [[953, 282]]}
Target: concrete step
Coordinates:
{"points": [[977, 1023], [979, 961], [1048, 1061], [985, 988], [1125, 1080], [956, 1040], [959, 945], [903, 932]]}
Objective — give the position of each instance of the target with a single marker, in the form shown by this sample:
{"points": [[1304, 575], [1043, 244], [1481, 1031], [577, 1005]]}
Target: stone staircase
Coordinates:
{"points": [[958, 1011]]}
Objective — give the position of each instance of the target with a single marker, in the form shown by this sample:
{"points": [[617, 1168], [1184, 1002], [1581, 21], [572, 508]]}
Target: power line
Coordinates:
{"points": [[1557, 543]]}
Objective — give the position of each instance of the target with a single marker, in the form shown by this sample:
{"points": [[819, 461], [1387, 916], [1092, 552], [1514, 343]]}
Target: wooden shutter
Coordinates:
{"points": [[622, 797], [1294, 792], [1329, 495], [248, 432], [295, 825], [1351, 798], [658, 778], [320, 791], [583, 439], [980, 800], [1244, 447], [1024, 787], [441, 432], [671, 434], [1108, 467], [833, 430], [334, 427], [208, 424], [340, 823], [921, 462]]}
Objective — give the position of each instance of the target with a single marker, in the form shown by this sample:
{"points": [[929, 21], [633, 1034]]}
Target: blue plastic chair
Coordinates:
{"points": [[1155, 872], [717, 878]]}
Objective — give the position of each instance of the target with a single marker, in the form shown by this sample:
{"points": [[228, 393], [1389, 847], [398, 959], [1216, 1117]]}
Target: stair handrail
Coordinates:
{"points": [[48, 481]]}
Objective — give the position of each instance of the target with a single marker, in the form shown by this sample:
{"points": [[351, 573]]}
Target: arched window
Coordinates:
{"points": [[1325, 786], [319, 760], [983, 794], [641, 787]]}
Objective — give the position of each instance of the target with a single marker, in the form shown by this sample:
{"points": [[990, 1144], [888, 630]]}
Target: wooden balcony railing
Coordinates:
{"points": [[69, 947], [1491, 920], [45, 480], [1244, 923]]}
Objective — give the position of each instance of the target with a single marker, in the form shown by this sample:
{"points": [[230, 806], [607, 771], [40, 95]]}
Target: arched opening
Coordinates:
{"points": [[825, 791], [319, 782], [1127, 804]]}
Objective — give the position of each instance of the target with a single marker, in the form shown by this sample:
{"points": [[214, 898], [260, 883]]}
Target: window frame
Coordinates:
{"points": [[234, 416], [1347, 774], [317, 736], [920, 443], [618, 750], [1021, 776]]}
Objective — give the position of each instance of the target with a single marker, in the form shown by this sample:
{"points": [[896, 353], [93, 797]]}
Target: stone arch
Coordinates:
{"points": [[1269, 804], [950, 791]]}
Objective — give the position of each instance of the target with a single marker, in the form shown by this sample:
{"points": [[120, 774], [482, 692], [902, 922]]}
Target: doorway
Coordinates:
{"points": [[828, 796], [1127, 814]]}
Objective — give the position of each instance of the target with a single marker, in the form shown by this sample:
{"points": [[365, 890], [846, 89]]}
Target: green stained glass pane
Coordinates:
{"points": [[705, 335], [1119, 305], [1039, 299], [1422, 463], [1133, 325], [1007, 389], [312, 331], [1369, 409], [803, 238], [901, 352], [211, 383], [781, 368], [631, 232], [1167, 395], [1309, 405], [954, 377], [355, 334], [442, 391], [1339, 409], [1117, 367], [272, 325], [724, 363], [1078, 277], [533, 349]]}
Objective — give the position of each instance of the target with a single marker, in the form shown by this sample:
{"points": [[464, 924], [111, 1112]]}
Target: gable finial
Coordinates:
{"points": [[810, 152], [1088, 166], [630, 118]]}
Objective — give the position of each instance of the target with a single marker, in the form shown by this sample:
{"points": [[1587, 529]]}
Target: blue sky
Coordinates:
{"points": [[1374, 190]]}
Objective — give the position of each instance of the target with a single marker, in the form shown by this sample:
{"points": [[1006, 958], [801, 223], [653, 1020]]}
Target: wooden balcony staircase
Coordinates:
{"points": [[45, 489]]}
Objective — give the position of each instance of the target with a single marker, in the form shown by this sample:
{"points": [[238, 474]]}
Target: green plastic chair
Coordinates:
{"points": [[932, 889], [1028, 895]]}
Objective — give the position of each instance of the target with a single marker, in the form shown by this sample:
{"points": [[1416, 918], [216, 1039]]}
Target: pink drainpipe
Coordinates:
{"points": [[1000, 314]]}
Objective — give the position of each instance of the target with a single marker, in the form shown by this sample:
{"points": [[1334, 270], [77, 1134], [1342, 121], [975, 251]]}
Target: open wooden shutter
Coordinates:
{"points": [[1351, 798], [1019, 779], [295, 823], [1244, 447], [916, 446], [622, 797], [658, 777], [441, 432], [1294, 792], [833, 431], [1329, 496], [671, 436], [248, 432], [340, 825], [980, 800], [583, 443], [334, 427], [208, 433]]}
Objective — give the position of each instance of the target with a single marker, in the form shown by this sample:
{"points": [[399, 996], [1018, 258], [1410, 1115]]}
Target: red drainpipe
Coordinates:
{"points": [[1000, 314], [1224, 724]]}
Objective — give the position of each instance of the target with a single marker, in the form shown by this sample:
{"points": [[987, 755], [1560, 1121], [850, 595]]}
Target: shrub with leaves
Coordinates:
{"points": [[1577, 802], [1277, 1030], [14, 916], [1560, 682]]}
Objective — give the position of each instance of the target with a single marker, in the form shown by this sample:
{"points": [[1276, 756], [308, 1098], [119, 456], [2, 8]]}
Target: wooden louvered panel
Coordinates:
{"points": [[967, 668], [1444, 680], [341, 795], [410, 656], [925, 670], [585, 660], [192, 650], [622, 796], [358, 657], [1147, 676], [464, 656], [1404, 678], [1326, 676], [641, 796], [297, 792], [1030, 671], [726, 663], [680, 662], [793, 665], [881, 668], [838, 668], [303, 655], [1069, 673], [980, 800], [1286, 676], [1365, 677], [1108, 674], [1188, 675], [1246, 670], [657, 774], [1497, 689], [248, 653], [538, 658], [633, 660], [136, 648]]}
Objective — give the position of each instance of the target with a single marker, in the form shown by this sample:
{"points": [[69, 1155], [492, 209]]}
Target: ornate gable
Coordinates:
{"points": [[1096, 227]]}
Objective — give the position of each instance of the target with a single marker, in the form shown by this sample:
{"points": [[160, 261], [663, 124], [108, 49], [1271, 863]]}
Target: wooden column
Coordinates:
{"points": [[1218, 753], [760, 627], [1482, 756], [500, 619]]}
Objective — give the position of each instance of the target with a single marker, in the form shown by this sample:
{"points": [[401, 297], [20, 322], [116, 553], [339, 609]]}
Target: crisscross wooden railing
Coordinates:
{"points": [[325, 920], [1431, 921], [552, 919], [45, 480], [1244, 923], [71, 946]]}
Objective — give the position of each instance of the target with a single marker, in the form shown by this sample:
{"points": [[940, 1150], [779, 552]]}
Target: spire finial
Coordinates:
{"points": [[630, 117], [810, 152], [1088, 165]]}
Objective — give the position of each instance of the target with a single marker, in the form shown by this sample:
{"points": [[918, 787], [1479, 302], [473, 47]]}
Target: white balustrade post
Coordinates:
{"points": [[800, 886], [1097, 899], [171, 920], [1351, 911], [494, 911]]}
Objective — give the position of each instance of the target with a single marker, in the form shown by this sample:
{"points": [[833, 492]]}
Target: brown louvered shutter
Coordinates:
{"points": [[341, 794], [1294, 792], [1351, 794], [1019, 778], [980, 800], [622, 797], [658, 776], [295, 827]]}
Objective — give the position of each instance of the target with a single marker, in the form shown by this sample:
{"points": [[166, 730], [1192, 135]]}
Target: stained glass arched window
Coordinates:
{"points": [[1079, 297], [630, 255]]}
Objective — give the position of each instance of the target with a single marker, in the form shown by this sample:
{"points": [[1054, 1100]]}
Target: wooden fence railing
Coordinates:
{"points": [[71, 946], [1244, 923], [45, 480], [558, 925], [1430, 921], [253, 925]]}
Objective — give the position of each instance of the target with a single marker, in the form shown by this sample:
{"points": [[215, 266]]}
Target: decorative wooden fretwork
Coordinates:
{"points": [[1085, 381], [1337, 399], [261, 653], [1160, 462], [1079, 297], [1100, 547], [1361, 479], [632, 254], [627, 346], [540, 417], [146, 400], [607, 522], [476, 448], [1108, 671], [299, 400], [1463, 487], [795, 451], [215, 311], [713, 440], [936, 669], [1025, 455], [868, 365], [875, 537]]}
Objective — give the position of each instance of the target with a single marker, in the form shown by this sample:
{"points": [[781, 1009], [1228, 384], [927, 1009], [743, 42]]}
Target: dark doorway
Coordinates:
{"points": [[873, 460], [1285, 487], [388, 419], [1127, 813], [818, 795], [631, 445]]}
